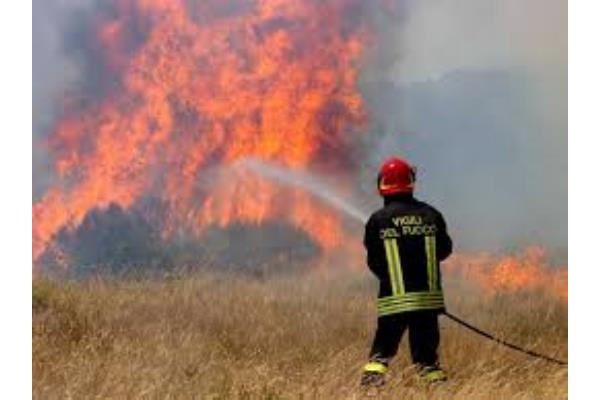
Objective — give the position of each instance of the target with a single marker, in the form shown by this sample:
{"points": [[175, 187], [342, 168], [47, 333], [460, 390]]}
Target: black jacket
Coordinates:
{"points": [[405, 241]]}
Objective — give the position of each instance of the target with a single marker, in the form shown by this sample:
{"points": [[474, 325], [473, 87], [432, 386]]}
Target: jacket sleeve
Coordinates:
{"points": [[371, 243], [443, 240]]}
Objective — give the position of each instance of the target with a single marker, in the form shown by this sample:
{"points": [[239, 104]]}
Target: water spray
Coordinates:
{"points": [[306, 181], [318, 188]]}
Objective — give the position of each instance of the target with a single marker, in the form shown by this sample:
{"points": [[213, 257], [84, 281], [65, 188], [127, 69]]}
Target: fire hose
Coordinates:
{"points": [[502, 342]]}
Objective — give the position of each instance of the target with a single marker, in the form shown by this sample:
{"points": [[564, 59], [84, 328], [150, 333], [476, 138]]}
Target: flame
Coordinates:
{"points": [[529, 270], [193, 86]]}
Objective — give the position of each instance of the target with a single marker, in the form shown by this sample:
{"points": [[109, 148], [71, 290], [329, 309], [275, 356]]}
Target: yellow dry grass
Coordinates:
{"points": [[212, 336]]}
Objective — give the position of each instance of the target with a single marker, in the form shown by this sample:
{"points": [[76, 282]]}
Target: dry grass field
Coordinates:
{"points": [[212, 336]]}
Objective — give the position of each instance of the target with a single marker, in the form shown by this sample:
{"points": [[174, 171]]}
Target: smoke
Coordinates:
{"points": [[476, 97]]}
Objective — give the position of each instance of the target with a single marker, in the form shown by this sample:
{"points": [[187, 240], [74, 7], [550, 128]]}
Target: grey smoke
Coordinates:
{"points": [[477, 99]]}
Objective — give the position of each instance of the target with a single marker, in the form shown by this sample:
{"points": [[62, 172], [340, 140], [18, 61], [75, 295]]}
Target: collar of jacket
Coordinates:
{"points": [[398, 198]]}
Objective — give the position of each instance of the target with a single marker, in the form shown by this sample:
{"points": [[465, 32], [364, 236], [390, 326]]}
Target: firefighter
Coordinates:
{"points": [[405, 241]]}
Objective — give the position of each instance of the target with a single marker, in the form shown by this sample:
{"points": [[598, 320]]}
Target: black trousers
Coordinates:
{"points": [[423, 337]]}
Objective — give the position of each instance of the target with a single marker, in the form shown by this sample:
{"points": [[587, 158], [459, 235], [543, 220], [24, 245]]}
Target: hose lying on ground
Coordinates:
{"points": [[502, 342]]}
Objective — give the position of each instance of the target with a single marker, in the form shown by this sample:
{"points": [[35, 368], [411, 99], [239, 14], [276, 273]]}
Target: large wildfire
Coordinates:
{"points": [[190, 88], [199, 84]]}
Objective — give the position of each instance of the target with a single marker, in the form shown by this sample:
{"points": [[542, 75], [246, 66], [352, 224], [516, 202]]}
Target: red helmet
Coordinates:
{"points": [[396, 176]]}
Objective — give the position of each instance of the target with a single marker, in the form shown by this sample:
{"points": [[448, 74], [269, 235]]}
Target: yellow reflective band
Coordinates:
{"points": [[414, 294], [398, 263], [384, 313], [389, 255], [410, 302], [430, 250], [428, 257], [434, 262], [411, 296], [411, 306], [394, 265], [375, 366], [401, 309]]}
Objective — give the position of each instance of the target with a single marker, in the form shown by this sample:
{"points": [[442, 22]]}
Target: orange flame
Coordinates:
{"points": [[208, 84], [526, 271]]}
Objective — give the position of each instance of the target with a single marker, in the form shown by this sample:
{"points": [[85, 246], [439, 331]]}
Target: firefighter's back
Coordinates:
{"points": [[406, 240]]}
